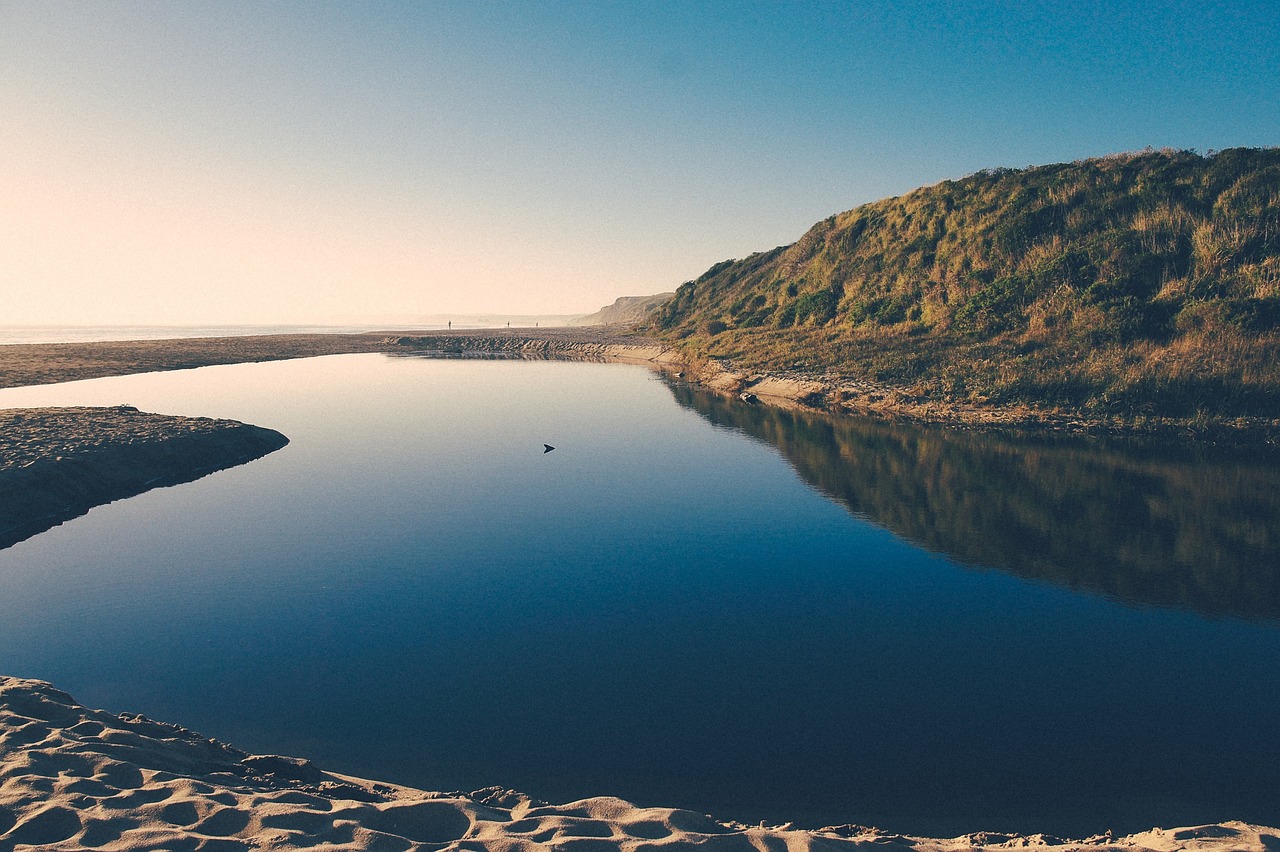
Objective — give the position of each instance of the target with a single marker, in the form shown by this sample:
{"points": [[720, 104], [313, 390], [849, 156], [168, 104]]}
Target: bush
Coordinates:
{"points": [[996, 307], [820, 306], [1253, 315], [886, 310]]}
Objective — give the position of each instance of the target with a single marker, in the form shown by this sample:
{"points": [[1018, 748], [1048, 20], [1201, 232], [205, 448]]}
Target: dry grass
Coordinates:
{"points": [[1137, 284]]}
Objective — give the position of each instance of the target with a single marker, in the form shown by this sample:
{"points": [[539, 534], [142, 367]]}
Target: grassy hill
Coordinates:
{"points": [[1135, 284]]}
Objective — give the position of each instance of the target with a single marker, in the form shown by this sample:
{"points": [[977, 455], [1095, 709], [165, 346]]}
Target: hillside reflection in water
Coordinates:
{"points": [[664, 610], [1152, 526]]}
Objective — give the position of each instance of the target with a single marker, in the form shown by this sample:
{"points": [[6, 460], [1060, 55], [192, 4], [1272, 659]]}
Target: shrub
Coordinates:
{"points": [[820, 306], [996, 307], [886, 310], [1253, 315]]}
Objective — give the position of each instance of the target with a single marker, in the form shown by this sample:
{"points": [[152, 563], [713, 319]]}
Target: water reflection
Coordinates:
{"points": [[660, 610], [1155, 526]]}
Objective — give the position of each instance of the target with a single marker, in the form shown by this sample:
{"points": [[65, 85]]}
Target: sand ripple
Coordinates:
{"points": [[72, 778]]}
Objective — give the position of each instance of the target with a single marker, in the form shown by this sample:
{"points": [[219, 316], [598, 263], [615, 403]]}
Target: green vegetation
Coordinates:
{"points": [[1135, 284]]}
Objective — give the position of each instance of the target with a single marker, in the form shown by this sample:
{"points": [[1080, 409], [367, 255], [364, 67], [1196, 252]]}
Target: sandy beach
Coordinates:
{"points": [[72, 778], [46, 363]]}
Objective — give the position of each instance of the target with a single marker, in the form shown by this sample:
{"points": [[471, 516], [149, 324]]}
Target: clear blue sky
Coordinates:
{"points": [[316, 162]]}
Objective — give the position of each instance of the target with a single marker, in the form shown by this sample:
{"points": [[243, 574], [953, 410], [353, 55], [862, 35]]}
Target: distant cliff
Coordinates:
{"points": [[58, 463], [1145, 284], [627, 309]]}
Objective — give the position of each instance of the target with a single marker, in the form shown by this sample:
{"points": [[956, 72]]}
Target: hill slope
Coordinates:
{"points": [[1143, 283]]}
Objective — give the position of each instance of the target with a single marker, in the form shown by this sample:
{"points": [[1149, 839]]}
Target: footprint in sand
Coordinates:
{"points": [[47, 826], [223, 823]]}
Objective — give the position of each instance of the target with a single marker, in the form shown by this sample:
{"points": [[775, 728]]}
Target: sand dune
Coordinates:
{"points": [[75, 778]]}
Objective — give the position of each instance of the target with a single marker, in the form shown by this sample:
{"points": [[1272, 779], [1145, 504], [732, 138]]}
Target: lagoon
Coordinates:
{"points": [[691, 602]]}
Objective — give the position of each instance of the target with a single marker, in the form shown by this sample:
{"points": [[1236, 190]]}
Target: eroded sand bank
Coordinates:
{"points": [[72, 778], [58, 463]]}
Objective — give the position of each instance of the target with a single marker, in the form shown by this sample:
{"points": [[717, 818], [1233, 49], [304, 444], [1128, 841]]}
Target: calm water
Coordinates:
{"points": [[688, 603]]}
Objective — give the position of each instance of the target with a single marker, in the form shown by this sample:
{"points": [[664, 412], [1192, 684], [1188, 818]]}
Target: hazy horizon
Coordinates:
{"points": [[320, 163]]}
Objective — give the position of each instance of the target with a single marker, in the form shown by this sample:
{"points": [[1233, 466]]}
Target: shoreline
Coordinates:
{"points": [[58, 463], [841, 396], [48, 363], [72, 778]]}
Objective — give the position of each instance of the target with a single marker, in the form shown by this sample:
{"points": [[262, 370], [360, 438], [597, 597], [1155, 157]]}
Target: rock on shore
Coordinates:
{"points": [[58, 463]]}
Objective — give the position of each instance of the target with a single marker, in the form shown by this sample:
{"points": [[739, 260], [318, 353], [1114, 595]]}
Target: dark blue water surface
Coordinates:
{"points": [[688, 603]]}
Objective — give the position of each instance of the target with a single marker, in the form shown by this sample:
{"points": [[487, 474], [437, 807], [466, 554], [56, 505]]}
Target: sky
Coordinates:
{"points": [[310, 162]]}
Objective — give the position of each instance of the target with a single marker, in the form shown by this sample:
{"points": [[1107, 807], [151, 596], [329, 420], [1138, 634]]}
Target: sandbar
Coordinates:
{"points": [[58, 463]]}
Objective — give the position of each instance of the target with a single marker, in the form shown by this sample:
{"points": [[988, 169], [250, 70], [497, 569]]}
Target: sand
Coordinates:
{"points": [[75, 778], [58, 463], [46, 363]]}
